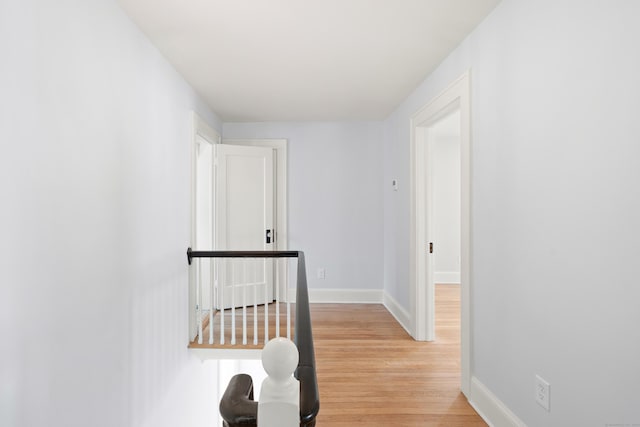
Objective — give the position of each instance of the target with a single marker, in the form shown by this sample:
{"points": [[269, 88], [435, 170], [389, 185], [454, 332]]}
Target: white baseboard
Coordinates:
{"points": [[490, 408], [446, 277], [359, 296], [342, 296], [397, 311]]}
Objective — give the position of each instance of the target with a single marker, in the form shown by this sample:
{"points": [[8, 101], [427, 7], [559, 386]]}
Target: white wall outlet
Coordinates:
{"points": [[321, 273], [542, 393]]}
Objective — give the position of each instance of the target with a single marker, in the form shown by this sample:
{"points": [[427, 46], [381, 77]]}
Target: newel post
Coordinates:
{"points": [[279, 402]]}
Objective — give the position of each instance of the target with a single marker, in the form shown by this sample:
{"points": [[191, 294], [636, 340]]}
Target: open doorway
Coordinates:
{"points": [[232, 210], [445, 182], [444, 179], [448, 113]]}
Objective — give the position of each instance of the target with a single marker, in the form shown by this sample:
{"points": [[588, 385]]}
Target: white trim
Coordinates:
{"points": [[401, 315], [199, 128], [490, 408], [341, 296], [456, 96], [226, 353], [345, 296], [446, 277], [359, 296]]}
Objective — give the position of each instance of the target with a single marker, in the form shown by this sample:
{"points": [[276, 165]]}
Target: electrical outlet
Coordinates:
{"points": [[321, 273], [542, 393]]}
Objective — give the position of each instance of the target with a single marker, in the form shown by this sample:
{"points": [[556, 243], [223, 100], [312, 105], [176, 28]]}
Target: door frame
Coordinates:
{"points": [[199, 129], [456, 96], [281, 206]]}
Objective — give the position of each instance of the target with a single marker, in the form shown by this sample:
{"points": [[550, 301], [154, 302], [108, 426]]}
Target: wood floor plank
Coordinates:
{"points": [[372, 373]]}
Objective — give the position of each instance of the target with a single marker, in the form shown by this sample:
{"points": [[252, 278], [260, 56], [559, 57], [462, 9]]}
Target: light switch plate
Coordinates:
{"points": [[542, 393]]}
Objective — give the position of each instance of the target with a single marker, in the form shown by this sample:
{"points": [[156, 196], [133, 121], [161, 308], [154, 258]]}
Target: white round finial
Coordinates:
{"points": [[280, 358], [279, 404]]}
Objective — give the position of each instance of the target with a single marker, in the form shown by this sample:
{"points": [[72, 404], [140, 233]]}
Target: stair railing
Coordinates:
{"points": [[237, 406], [225, 276]]}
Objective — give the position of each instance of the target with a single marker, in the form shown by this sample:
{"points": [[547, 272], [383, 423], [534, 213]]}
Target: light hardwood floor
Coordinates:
{"points": [[372, 373]]}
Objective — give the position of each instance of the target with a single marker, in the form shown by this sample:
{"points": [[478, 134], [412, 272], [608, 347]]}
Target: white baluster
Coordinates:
{"points": [[255, 305], [266, 305], [233, 302], [199, 298], [288, 302], [277, 264], [221, 296], [244, 283], [212, 279], [279, 403]]}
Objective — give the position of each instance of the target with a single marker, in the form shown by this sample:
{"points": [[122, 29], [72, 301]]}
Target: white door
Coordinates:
{"points": [[244, 221]]}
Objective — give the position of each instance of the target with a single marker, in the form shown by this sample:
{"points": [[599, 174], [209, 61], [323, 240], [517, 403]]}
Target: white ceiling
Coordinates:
{"points": [[306, 60]]}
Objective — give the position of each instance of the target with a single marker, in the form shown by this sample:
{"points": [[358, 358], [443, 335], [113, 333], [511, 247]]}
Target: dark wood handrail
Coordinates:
{"points": [[237, 406], [303, 338], [241, 254]]}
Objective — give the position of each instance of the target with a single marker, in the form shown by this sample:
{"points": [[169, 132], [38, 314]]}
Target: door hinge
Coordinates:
{"points": [[430, 247]]}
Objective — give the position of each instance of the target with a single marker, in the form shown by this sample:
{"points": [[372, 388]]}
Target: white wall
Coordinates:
{"points": [[94, 164], [445, 137], [335, 197], [555, 205], [94, 219]]}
